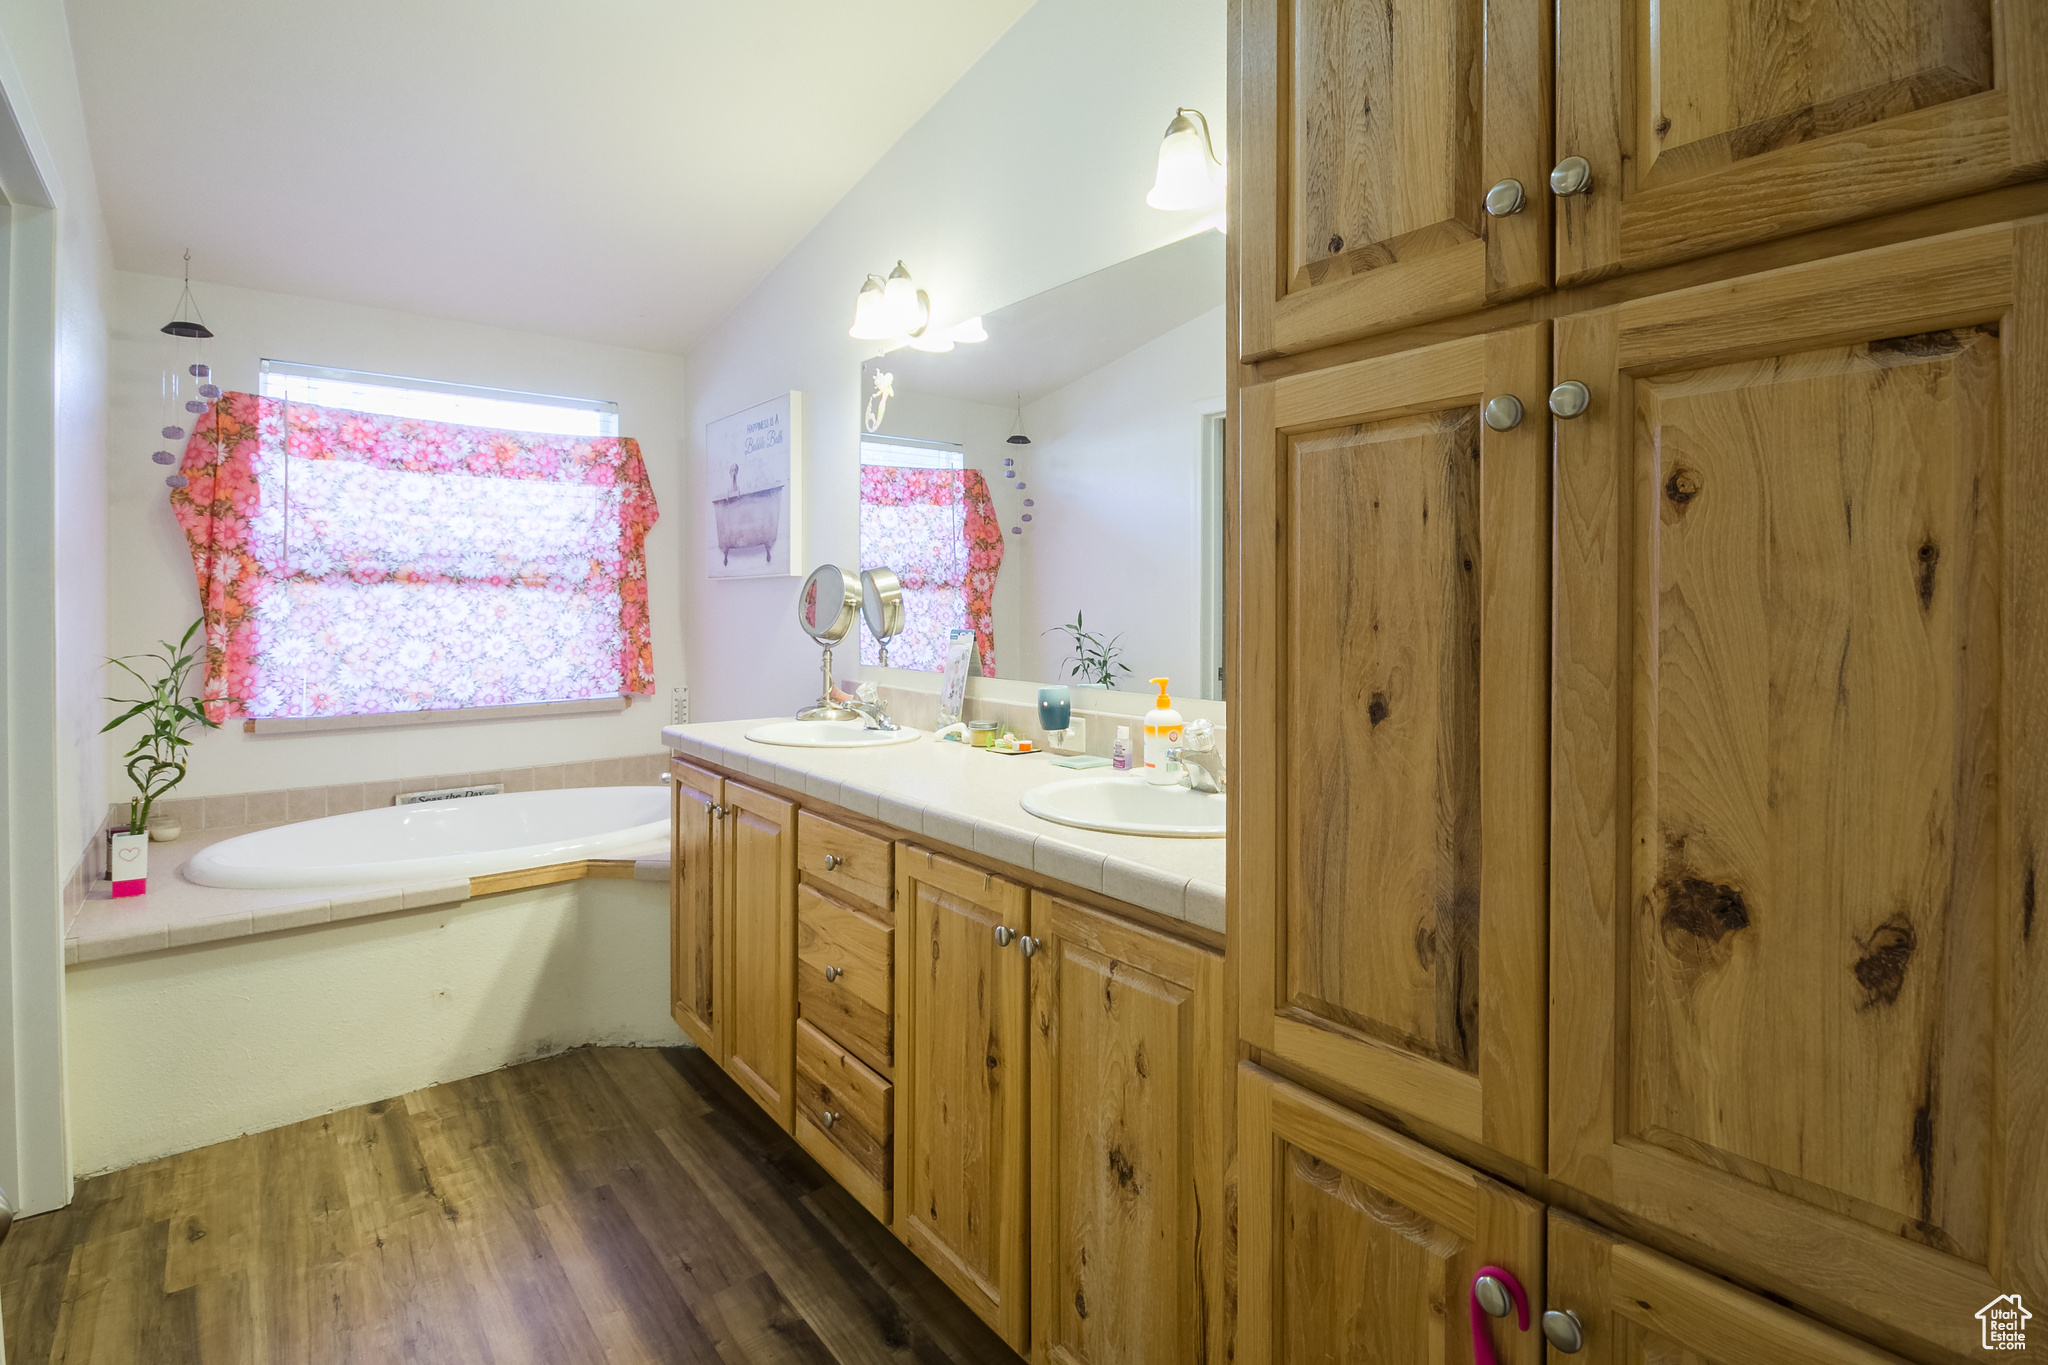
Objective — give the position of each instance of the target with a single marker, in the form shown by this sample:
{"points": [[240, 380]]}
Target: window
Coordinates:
{"points": [[369, 545], [925, 515]]}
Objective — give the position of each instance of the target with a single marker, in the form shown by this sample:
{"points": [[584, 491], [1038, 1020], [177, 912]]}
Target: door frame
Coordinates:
{"points": [[35, 1156]]}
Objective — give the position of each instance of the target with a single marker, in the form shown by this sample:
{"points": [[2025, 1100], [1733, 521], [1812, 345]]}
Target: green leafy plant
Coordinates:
{"points": [[1094, 659], [156, 761]]}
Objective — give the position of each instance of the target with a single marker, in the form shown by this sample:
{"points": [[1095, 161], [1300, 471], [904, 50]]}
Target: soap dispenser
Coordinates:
{"points": [[1162, 732]]}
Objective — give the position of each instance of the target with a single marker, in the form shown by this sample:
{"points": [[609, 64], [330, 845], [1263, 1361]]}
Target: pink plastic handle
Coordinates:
{"points": [[1482, 1345]]}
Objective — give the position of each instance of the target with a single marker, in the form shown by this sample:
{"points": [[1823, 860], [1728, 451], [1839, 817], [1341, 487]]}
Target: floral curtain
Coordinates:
{"points": [[352, 563], [937, 529]]}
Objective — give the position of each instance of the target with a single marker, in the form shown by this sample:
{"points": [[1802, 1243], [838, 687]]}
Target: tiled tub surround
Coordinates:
{"points": [[960, 796], [177, 913]]}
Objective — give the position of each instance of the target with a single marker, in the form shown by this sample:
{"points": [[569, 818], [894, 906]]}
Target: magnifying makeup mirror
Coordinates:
{"points": [[826, 607], [881, 606]]}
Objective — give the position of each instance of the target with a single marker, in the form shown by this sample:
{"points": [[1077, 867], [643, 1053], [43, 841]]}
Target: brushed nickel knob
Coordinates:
{"points": [[834, 973], [1493, 1296], [833, 862], [829, 1117], [1502, 413], [1564, 1331], [1573, 175], [1506, 198], [718, 812], [1570, 398], [1003, 935], [1029, 944]]}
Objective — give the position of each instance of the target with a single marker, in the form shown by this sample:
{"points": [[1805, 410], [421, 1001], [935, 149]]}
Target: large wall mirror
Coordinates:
{"points": [[1068, 469]]}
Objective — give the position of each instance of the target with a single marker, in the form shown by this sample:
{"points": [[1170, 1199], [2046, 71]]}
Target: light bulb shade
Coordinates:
{"points": [[968, 332], [936, 343], [903, 310], [1189, 176], [868, 320]]}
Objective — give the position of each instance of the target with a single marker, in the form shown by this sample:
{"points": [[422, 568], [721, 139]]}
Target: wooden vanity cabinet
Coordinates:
{"points": [[1391, 719], [961, 1062], [760, 1046], [1801, 779], [1358, 1244], [1129, 1051], [696, 894], [1723, 122], [1365, 139], [1636, 1307]]}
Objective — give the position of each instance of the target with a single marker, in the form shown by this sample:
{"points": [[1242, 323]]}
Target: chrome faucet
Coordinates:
{"points": [[868, 706], [1200, 769]]}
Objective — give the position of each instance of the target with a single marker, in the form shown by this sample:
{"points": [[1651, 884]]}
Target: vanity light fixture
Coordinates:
{"points": [[1190, 174], [906, 309], [896, 311], [867, 312]]}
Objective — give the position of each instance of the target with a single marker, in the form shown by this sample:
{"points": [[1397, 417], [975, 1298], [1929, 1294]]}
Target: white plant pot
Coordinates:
{"points": [[164, 831], [128, 863]]}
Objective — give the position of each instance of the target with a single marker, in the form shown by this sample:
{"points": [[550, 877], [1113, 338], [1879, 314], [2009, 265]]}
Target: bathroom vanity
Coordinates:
{"points": [[1007, 1038]]}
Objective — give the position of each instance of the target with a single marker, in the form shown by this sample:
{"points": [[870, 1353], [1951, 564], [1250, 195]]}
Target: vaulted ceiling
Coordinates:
{"points": [[617, 170]]}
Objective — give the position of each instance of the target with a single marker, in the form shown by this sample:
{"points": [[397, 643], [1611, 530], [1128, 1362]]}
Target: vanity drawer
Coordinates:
{"points": [[853, 1143], [857, 1005], [857, 868]]}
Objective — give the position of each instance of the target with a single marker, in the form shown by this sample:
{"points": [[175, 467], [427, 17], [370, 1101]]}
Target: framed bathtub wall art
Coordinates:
{"points": [[754, 465]]}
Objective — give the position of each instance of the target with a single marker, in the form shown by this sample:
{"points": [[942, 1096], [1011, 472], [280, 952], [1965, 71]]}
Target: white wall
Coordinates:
{"points": [[1114, 466], [177, 1050], [154, 593], [1030, 172]]}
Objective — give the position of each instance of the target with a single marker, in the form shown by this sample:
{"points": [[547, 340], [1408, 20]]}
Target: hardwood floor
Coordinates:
{"points": [[606, 1205]]}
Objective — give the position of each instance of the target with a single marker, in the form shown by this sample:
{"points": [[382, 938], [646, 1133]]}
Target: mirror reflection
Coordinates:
{"points": [[1058, 488]]}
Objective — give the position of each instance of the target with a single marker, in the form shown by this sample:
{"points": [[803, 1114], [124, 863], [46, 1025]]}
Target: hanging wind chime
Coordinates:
{"points": [[185, 372], [1017, 438]]}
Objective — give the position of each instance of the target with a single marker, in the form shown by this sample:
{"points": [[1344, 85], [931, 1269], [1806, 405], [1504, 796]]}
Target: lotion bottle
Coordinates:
{"points": [[1120, 756], [1162, 732]]}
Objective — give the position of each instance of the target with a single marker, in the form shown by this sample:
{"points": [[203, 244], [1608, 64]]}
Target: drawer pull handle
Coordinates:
{"points": [[830, 1118], [1003, 935], [834, 973], [1028, 944], [833, 862], [1564, 1331]]}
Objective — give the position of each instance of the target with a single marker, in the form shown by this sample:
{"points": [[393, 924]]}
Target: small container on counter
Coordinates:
{"points": [[982, 733], [1120, 756]]}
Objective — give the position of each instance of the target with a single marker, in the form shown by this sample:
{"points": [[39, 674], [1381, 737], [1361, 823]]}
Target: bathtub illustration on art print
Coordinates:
{"points": [[754, 467]]}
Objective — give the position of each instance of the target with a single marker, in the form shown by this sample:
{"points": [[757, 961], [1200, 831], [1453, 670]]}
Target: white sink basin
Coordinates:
{"points": [[1125, 803], [828, 734]]}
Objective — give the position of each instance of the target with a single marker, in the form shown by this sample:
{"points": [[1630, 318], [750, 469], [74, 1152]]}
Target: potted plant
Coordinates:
{"points": [[1094, 662], [156, 761]]}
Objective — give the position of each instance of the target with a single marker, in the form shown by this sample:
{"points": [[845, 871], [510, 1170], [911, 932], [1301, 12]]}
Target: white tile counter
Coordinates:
{"points": [[969, 799]]}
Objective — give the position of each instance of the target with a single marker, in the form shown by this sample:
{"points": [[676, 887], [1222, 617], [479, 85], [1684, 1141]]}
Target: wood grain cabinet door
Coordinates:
{"points": [[1635, 1307], [1715, 123], [961, 1083], [1391, 731], [1798, 1013], [695, 895], [760, 919], [1128, 1057], [1357, 1245], [1366, 137]]}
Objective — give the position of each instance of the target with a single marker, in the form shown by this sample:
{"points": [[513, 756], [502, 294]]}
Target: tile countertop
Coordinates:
{"points": [[176, 913], [960, 796]]}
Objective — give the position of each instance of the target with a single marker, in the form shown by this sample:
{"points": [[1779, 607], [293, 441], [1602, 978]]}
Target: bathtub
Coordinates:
{"points": [[431, 840]]}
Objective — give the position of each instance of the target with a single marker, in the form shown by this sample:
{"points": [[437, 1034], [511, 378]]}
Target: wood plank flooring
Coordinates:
{"points": [[607, 1205]]}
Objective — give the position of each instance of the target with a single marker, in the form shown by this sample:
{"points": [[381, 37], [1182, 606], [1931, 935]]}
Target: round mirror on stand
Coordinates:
{"points": [[881, 606], [826, 607]]}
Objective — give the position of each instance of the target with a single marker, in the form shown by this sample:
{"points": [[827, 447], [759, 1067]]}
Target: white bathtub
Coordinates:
{"points": [[467, 837]]}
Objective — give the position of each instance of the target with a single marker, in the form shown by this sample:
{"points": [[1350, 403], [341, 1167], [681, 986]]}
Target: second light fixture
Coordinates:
{"points": [[895, 310]]}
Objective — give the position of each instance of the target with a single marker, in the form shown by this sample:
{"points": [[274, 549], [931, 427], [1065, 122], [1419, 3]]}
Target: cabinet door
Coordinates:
{"points": [[695, 893], [1390, 820], [1358, 1245], [760, 923], [1366, 137], [1722, 122], [1635, 1307], [1128, 1054], [960, 1082], [1801, 778]]}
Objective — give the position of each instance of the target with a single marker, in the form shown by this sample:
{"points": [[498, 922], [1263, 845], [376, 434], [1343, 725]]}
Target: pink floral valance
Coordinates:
{"points": [[937, 529], [353, 563]]}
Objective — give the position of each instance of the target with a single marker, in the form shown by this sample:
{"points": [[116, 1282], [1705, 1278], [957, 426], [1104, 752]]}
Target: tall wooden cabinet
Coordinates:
{"points": [[1640, 783]]}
